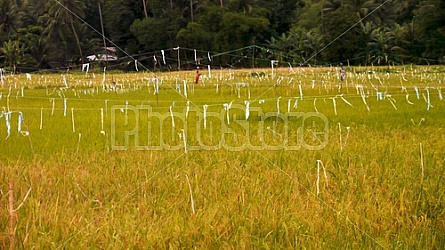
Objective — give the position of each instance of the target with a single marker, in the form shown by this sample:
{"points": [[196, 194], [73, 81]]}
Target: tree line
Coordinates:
{"points": [[42, 34]]}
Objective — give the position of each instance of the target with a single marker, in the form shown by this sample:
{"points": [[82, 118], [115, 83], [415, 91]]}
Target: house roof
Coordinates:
{"points": [[102, 57], [111, 49]]}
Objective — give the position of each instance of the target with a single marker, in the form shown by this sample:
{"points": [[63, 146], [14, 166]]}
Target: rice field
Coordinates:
{"points": [[245, 159]]}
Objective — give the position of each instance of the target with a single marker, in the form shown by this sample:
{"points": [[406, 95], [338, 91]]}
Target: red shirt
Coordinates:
{"points": [[197, 77]]}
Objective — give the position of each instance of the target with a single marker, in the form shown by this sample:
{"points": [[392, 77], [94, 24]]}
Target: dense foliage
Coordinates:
{"points": [[244, 33]]}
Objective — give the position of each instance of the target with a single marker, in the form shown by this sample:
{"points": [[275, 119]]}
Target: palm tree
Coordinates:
{"points": [[312, 44], [362, 9], [10, 15], [382, 45], [13, 52], [364, 53], [144, 4], [331, 5], [430, 15], [427, 23], [328, 6], [33, 9], [38, 50], [103, 30], [66, 13]]}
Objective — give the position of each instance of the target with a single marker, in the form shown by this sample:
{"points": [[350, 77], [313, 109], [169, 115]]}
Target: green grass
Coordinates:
{"points": [[85, 195]]}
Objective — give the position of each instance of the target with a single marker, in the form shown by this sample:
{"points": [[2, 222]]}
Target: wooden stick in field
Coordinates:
{"points": [[205, 115], [102, 121], [41, 118], [335, 106], [72, 119], [64, 106]]}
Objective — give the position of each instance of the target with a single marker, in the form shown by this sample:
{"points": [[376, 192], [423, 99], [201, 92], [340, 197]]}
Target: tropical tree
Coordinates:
{"points": [[282, 47], [386, 13], [13, 52], [195, 36], [325, 30], [63, 16], [404, 10], [118, 17], [36, 43], [363, 9], [10, 14], [312, 44], [281, 14], [239, 30], [343, 37], [150, 34], [428, 23], [202, 33], [381, 46], [331, 5], [305, 17], [401, 44], [363, 55], [33, 9]]}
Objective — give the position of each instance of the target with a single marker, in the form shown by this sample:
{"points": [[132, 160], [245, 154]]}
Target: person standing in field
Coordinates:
{"points": [[342, 74], [197, 76]]}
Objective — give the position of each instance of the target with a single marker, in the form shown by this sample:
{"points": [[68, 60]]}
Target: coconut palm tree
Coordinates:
{"points": [[33, 9], [382, 46], [313, 42], [10, 14], [362, 9], [331, 5], [64, 14]]}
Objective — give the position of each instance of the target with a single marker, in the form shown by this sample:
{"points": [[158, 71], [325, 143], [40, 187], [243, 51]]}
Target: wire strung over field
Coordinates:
{"points": [[279, 90], [324, 143]]}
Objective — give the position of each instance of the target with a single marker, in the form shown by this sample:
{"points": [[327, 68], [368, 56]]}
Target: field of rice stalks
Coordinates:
{"points": [[245, 159]]}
